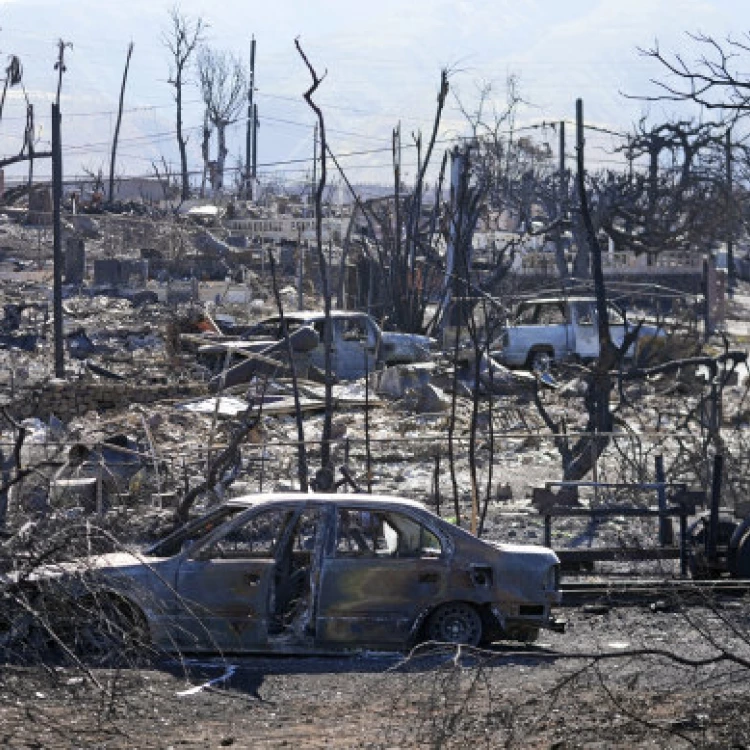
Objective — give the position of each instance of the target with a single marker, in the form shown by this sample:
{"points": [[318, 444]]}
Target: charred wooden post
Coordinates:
{"points": [[665, 527], [713, 520]]}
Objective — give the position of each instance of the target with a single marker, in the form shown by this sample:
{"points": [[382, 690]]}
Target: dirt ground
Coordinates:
{"points": [[591, 687]]}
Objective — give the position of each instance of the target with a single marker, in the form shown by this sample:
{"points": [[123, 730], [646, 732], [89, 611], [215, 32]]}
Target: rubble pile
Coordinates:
{"points": [[148, 361]]}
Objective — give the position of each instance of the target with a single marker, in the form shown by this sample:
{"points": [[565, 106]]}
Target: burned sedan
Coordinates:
{"points": [[303, 573]]}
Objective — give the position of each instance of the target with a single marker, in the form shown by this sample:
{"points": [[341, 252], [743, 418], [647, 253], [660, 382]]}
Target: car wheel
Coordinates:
{"points": [[456, 622]]}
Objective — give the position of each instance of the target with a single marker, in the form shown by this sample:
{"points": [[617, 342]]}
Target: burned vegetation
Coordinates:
{"points": [[480, 451]]}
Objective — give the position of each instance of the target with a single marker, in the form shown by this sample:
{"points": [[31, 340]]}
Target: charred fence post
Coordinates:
{"points": [[436, 482], [683, 544], [666, 536], [4, 484], [713, 519], [368, 456]]}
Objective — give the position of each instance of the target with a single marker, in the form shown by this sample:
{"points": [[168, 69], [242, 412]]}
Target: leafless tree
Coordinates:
{"points": [[96, 176], [403, 230], [183, 37], [165, 178], [13, 77], [325, 477], [224, 89], [714, 81]]}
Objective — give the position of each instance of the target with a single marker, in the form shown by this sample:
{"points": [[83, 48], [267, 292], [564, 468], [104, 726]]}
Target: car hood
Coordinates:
{"points": [[115, 562], [407, 341]]}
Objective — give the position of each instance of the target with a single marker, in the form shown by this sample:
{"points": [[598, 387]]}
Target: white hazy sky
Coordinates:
{"points": [[383, 60]]}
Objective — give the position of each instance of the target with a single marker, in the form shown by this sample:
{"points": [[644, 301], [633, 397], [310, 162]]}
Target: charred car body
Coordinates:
{"points": [[300, 573], [358, 346]]}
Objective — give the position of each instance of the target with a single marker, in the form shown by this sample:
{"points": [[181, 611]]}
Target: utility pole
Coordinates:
{"points": [[254, 174], [57, 259], [562, 204], [730, 214], [300, 270], [250, 127]]}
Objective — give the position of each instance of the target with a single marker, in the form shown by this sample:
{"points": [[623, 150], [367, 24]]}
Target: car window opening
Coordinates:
{"points": [[363, 533]]}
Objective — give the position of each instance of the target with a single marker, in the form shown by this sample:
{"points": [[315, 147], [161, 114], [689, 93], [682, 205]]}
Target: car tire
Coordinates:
{"points": [[455, 622]]}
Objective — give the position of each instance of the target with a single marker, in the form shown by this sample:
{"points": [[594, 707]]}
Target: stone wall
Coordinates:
{"points": [[67, 399]]}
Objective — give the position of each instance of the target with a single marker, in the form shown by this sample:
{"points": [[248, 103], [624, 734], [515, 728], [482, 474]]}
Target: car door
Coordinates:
{"points": [[225, 586], [381, 570], [539, 326], [355, 342]]}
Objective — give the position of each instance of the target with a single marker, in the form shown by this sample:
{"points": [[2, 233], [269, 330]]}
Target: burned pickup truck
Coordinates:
{"points": [[358, 346], [300, 573], [552, 329]]}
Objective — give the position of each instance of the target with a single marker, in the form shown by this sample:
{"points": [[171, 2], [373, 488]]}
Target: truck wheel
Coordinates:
{"points": [[540, 360]]}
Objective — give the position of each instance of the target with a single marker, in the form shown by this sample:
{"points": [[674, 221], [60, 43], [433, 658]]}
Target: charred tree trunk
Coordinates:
{"points": [[325, 449], [221, 156], [301, 451], [117, 125], [599, 425], [182, 146], [182, 40]]}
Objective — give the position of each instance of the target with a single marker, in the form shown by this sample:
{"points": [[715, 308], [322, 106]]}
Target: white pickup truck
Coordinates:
{"points": [[559, 328]]}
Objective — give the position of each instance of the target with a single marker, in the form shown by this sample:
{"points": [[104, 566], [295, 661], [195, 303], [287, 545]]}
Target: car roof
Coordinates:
{"points": [[349, 499], [305, 315]]}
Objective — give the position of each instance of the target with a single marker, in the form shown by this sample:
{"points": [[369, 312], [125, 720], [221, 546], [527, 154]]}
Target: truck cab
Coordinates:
{"points": [[556, 328]]}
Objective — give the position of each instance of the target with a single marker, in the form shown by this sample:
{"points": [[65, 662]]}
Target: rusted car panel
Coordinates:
{"points": [[358, 345], [300, 573], [405, 348]]}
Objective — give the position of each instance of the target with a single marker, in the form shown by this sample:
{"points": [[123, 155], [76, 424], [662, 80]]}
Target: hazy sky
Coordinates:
{"points": [[383, 61]]}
